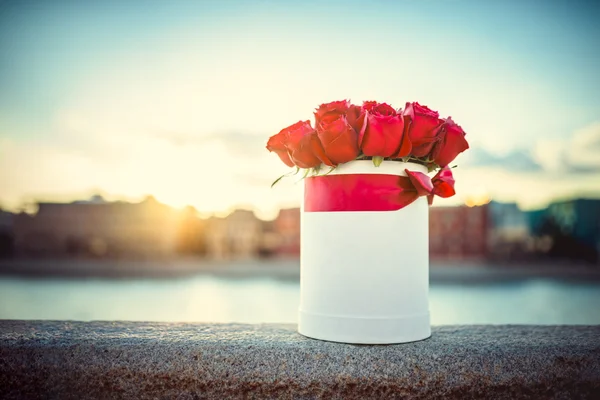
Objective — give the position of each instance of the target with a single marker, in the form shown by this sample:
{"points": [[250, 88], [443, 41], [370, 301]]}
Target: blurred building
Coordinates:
{"points": [[191, 233], [458, 233], [270, 240], [508, 231], [6, 233], [216, 240], [569, 229], [287, 229], [97, 228], [237, 236]]}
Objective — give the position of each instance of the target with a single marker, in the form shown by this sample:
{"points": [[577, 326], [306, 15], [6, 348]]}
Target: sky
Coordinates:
{"points": [[177, 99]]}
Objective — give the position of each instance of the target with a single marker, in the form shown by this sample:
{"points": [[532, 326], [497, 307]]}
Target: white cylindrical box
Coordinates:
{"points": [[365, 274]]}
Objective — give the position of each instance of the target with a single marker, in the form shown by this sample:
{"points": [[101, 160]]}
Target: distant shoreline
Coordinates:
{"points": [[282, 269]]}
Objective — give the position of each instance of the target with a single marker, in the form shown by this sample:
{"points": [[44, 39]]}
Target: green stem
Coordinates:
{"points": [[284, 175]]}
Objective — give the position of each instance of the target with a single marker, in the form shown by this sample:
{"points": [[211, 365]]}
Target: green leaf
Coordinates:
{"points": [[277, 180], [284, 175], [377, 160]]}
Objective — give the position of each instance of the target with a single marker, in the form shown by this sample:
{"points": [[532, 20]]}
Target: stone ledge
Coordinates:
{"points": [[112, 360]]}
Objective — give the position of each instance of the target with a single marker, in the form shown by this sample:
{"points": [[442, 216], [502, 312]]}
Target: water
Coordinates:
{"points": [[211, 299]]}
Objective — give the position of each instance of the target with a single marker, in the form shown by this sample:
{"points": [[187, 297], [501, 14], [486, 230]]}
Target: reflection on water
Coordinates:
{"points": [[210, 299]]}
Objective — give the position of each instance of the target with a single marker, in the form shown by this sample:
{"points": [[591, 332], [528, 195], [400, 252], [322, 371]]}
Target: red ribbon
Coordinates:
{"points": [[374, 192]]}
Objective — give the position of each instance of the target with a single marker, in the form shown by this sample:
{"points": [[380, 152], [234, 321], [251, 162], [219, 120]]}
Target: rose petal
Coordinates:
{"points": [[423, 128], [331, 111], [383, 135], [277, 144], [304, 147], [318, 151], [443, 183], [420, 181], [339, 140], [451, 143]]}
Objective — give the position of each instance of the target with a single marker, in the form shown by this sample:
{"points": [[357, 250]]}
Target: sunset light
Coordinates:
{"points": [[345, 199], [181, 108]]}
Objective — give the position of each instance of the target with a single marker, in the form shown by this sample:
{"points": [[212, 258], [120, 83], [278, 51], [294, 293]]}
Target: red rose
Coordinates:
{"points": [[451, 142], [337, 135], [331, 111], [383, 133], [303, 145], [277, 143], [356, 118], [422, 126], [369, 105]]}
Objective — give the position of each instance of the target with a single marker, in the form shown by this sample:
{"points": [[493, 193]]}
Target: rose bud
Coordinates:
{"points": [[304, 146], [277, 143], [383, 134], [422, 126], [338, 137], [451, 142]]}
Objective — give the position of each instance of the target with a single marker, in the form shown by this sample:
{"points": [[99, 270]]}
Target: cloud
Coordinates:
{"points": [[533, 189], [215, 170], [582, 154], [238, 144], [118, 141], [81, 155], [556, 168], [577, 154], [515, 161], [28, 169]]}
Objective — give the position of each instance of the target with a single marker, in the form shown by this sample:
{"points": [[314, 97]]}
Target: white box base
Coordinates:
{"points": [[364, 330], [364, 276]]}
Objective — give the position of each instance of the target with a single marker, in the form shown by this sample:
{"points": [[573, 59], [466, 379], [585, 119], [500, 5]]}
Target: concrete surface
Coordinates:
{"points": [[115, 360]]}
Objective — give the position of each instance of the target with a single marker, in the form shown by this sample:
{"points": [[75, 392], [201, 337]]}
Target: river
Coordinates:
{"points": [[205, 298]]}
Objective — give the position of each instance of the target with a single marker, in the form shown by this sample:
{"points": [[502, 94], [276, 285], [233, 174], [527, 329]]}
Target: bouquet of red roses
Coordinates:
{"points": [[346, 132]]}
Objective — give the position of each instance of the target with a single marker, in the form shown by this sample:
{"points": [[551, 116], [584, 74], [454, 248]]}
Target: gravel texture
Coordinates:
{"points": [[118, 360]]}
